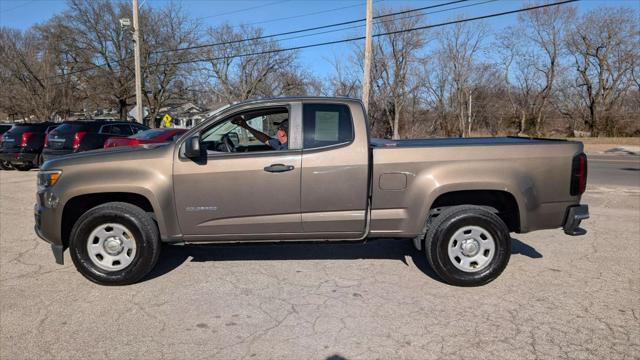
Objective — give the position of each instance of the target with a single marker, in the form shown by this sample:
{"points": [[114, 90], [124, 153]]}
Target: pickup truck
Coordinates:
{"points": [[457, 199]]}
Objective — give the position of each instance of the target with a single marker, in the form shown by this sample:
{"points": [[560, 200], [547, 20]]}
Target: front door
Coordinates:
{"points": [[250, 194]]}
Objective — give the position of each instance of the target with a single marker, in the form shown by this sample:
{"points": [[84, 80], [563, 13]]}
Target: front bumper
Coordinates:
{"points": [[18, 157], [575, 214], [45, 229]]}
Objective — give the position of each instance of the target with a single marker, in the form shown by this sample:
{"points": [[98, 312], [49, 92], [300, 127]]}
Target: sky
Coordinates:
{"points": [[277, 16]]}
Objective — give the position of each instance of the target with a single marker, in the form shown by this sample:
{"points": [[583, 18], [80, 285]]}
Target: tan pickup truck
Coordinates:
{"points": [[306, 169]]}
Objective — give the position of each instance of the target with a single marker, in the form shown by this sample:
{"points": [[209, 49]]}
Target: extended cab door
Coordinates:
{"points": [[334, 170], [252, 194]]}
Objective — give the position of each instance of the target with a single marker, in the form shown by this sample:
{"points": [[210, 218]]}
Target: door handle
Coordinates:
{"points": [[277, 168]]}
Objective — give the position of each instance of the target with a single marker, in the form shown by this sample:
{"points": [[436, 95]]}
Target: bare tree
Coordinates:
{"points": [[103, 50], [30, 87], [393, 57], [460, 45], [235, 74], [344, 81], [164, 66], [605, 46], [531, 57]]}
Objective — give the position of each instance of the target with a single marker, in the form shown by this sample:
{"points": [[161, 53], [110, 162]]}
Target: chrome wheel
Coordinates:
{"points": [[471, 248], [111, 247]]}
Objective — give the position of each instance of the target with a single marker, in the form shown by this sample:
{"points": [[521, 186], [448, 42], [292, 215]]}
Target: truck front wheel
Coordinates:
{"points": [[467, 245], [114, 244]]}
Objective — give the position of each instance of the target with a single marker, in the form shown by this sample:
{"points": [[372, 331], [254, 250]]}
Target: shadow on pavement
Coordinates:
{"points": [[172, 256]]}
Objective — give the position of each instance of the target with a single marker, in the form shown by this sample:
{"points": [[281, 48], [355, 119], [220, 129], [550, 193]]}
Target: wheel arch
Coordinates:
{"points": [[501, 202], [76, 206], [500, 196]]}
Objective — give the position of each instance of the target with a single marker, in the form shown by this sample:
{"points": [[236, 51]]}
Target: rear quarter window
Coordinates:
{"points": [[326, 125]]}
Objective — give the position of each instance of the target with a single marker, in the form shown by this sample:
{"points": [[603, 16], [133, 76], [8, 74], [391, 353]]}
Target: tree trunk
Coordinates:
{"points": [[593, 120], [396, 124], [122, 108]]}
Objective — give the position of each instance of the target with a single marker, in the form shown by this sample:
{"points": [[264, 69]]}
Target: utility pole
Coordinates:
{"points": [[367, 57], [136, 39]]}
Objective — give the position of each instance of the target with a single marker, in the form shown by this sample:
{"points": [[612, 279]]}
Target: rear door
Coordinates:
{"points": [[334, 171]]}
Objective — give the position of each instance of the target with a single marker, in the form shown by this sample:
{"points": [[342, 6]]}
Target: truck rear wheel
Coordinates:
{"points": [[468, 245], [114, 244]]}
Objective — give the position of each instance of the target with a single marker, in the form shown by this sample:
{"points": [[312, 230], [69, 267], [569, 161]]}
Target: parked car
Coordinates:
{"points": [[457, 199], [4, 165], [22, 145], [151, 136], [76, 136]]}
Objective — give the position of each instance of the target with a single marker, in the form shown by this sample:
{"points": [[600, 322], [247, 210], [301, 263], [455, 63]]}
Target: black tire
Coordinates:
{"points": [[23, 167], [5, 165], [144, 231], [39, 160], [446, 224]]}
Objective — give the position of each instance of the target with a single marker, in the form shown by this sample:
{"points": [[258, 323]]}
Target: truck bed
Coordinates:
{"points": [[508, 140], [406, 172]]}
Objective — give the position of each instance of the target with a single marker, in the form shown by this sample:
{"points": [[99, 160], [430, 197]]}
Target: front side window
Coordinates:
{"points": [[257, 130], [326, 125]]}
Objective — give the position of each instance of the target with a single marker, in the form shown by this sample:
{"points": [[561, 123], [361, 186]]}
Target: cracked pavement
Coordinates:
{"points": [[560, 297]]}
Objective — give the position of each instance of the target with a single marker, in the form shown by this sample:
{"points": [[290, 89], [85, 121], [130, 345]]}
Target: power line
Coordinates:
{"points": [[375, 35], [243, 10], [383, 21], [362, 37], [303, 15], [92, 67], [18, 6], [306, 29]]}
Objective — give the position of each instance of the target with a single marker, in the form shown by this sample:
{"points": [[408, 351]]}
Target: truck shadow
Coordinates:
{"points": [[172, 256]]}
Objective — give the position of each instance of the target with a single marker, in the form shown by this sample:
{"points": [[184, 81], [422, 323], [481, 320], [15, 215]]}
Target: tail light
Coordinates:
{"points": [[579, 174], [46, 140], [25, 138], [77, 138]]}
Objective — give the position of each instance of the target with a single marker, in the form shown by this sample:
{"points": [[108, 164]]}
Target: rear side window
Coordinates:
{"points": [[326, 125], [121, 129], [148, 134], [70, 128], [137, 128]]}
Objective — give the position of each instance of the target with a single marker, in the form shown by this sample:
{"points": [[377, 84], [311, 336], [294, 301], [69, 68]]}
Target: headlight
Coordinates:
{"points": [[48, 178]]}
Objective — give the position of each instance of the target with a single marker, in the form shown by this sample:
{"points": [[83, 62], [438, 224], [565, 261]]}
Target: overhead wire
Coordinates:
{"points": [[96, 66], [375, 35], [504, 13], [243, 10]]}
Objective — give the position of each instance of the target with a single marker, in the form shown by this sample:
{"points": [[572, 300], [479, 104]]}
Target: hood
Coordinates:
{"points": [[123, 153]]}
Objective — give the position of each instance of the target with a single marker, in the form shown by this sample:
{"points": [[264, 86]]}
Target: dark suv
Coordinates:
{"points": [[4, 165], [22, 145], [76, 136]]}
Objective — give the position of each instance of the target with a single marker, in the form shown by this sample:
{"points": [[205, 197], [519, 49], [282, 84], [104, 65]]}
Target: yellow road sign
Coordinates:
{"points": [[166, 120]]}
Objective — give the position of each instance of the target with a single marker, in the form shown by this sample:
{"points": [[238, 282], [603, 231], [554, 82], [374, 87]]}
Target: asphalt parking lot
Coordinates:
{"points": [[560, 297]]}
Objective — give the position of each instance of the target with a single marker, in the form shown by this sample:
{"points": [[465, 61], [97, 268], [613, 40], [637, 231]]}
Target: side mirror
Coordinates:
{"points": [[192, 147]]}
